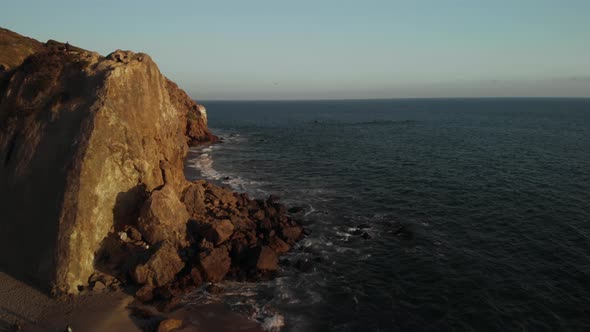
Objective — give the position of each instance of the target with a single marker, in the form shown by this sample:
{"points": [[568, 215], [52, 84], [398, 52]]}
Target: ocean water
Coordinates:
{"points": [[493, 196]]}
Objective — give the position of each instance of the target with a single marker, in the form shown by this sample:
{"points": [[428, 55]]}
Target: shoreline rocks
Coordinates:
{"points": [[92, 155]]}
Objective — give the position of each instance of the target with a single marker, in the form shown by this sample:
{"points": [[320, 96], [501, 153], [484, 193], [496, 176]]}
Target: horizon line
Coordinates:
{"points": [[376, 99]]}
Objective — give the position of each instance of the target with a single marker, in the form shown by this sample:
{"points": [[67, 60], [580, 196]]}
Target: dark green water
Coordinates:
{"points": [[494, 195]]}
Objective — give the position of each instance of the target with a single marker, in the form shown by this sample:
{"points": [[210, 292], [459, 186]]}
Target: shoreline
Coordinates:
{"points": [[23, 306]]}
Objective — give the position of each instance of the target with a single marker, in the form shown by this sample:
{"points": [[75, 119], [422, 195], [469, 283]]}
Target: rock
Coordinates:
{"points": [[82, 138], [121, 56], [134, 234], [163, 217], [273, 199], [99, 286], [217, 231], [161, 268], [214, 289], [267, 259], [196, 277], [279, 246], [292, 234], [357, 232], [169, 325], [304, 265], [145, 293], [214, 264], [295, 209], [194, 199], [366, 236]]}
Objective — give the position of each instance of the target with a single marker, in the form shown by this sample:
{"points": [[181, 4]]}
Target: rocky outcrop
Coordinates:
{"points": [[83, 140], [197, 131], [92, 177], [15, 49]]}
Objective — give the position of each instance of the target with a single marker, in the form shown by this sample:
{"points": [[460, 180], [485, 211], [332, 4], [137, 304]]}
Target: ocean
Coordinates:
{"points": [[476, 211]]}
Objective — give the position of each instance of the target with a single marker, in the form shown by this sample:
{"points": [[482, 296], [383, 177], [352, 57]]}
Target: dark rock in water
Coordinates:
{"points": [[295, 209], [366, 236], [318, 259], [306, 231], [401, 230], [273, 199], [214, 289], [363, 226], [292, 234], [304, 265], [357, 232], [226, 178]]}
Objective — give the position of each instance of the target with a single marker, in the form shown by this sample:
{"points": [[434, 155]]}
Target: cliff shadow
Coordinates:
{"points": [[116, 255]]}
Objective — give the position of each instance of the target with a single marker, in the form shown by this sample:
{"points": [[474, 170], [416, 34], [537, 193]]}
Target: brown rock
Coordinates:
{"points": [[164, 217], [169, 325], [267, 259], [217, 231], [145, 293], [292, 234], [134, 234], [196, 277], [214, 264], [161, 268], [194, 199], [279, 246], [82, 137]]}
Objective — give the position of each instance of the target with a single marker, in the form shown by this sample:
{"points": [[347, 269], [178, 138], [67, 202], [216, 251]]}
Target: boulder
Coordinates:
{"points": [[163, 217], [217, 231], [292, 234], [194, 199], [145, 293], [214, 264], [169, 325], [267, 259], [295, 209], [161, 268], [279, 246]]}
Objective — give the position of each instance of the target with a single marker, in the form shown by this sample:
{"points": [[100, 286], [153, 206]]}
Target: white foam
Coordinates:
{"points": [[204, 163], [273, 323]]}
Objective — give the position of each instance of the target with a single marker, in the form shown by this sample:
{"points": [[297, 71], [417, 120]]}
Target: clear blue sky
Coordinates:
{"points": [[334, 49]]}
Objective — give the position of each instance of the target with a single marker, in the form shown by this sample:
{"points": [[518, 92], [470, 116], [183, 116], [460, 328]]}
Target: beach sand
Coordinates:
{"points": [[110, 311]]}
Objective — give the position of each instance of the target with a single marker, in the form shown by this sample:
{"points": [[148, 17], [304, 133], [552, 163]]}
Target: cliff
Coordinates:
{"points": [[15, 48], [82, 138], [93, 189]]}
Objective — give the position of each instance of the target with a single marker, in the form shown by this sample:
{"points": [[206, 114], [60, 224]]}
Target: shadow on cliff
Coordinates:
{"points": [[115, 257]]}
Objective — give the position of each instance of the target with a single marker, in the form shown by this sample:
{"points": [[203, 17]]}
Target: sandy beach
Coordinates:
{"points": [[24, 306]]}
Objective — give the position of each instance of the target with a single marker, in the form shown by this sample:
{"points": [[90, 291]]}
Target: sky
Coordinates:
{"points": [[299, 49]]}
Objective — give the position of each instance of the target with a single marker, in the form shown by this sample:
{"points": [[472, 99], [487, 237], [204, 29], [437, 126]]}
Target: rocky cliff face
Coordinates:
{"points": [[92, 183], [15, 48], [83, 139]]}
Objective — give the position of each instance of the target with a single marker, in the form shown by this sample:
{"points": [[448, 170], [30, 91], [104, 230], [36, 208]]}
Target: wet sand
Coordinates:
{"points": [[110, 311]]}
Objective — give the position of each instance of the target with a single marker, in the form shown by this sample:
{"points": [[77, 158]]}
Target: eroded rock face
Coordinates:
{"points": [[83, 138]]}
